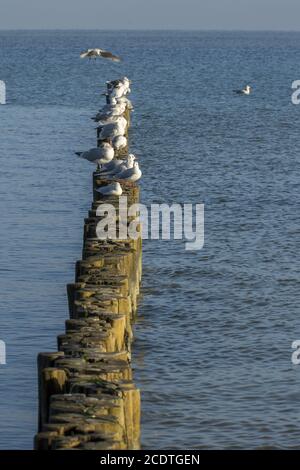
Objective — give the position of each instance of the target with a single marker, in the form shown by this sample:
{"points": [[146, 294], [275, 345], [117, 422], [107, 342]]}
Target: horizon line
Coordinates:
{"points": [[226, 30]]}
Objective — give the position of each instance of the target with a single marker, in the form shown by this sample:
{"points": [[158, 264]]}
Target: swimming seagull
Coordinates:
{"points": [[95, 53], [131, 174], [113, 189], [245, 91], [99, 155]]}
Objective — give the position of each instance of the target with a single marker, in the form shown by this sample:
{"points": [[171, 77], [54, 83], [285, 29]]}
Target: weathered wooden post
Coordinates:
{"points": [[87, 399]]}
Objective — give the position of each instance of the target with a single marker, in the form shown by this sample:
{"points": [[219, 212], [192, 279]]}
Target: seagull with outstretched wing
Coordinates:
{"points": [[95, 53]]}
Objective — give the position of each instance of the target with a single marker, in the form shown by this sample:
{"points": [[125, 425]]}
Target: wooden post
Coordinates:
{"points": [[87, 398], [51, 382]]}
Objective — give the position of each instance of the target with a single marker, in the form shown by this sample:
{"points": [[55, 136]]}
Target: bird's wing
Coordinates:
{"points": [[100, 190], [109, 55], [92, 53], [83, 54], [88, 53]]}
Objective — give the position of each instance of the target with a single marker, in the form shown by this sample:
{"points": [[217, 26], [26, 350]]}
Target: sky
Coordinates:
{"points": [[151, 14]]}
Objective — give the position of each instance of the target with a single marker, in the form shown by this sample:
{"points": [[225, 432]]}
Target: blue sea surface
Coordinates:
{"points": [[212, 350]]}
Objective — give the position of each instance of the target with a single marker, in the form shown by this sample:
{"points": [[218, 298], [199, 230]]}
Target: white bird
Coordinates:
{"points": [[122, 121], [99, 155], [113, 129], [126, 101], [113, 189], [113, 119], [107, 119], [95, 53], [119, 142], [131, 174], [113, 164], [118, 91], [110, 111], [115, 83], [110, 170], [245, 91], [119, 170], [108, 106]]}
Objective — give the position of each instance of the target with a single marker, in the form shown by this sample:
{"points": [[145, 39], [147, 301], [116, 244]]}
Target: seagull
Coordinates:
{"points": [[121, 121], [245, 91], [126, 101], [112, 102], [131, 174], [106, 110], [118, 168], [113, 83], [110, 110], [113, 129], [95, 53], [119, 142], [126, 165], [113, 189], [112, 120], [99, 155], [118, 88], [118, 91], [121, 83], [107, 119], [114, 164]]}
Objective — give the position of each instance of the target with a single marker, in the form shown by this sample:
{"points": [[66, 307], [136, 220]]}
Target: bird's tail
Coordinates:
{"points": [[78, 154]]}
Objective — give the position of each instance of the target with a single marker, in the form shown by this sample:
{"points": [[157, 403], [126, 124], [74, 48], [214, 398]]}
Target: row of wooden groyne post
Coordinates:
{"points": [[87, 398]]}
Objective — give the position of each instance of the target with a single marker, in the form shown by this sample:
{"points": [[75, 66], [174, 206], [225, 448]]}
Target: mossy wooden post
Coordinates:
{"points": [[87, 399], [49, 382]]}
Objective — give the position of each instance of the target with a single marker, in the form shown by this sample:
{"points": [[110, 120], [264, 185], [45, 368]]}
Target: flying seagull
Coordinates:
{"points": [[245, 91], [95, 53]]}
